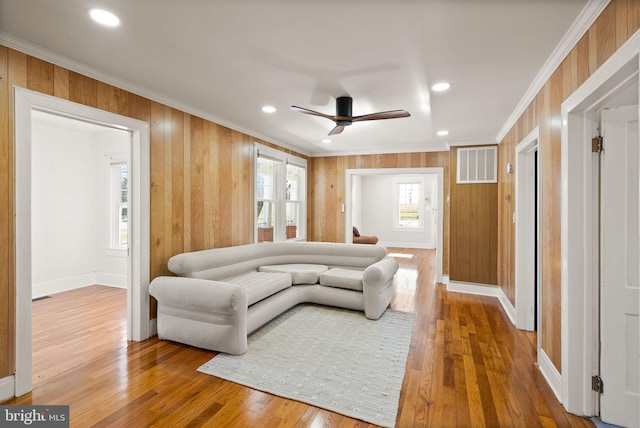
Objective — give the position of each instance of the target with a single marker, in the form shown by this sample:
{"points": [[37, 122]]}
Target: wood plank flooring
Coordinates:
{"points": [[467, 367], [74, 325]]}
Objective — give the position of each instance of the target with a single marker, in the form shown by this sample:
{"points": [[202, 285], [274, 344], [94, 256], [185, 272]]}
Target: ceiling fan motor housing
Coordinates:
{"points": [[344, 108]]}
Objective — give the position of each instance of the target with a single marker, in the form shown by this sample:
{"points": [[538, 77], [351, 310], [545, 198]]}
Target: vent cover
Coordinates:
{"points": [[478, 165]]}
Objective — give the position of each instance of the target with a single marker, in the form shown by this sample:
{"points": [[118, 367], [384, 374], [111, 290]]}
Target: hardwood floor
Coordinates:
{"points": [[468, 366], [73, 326]]}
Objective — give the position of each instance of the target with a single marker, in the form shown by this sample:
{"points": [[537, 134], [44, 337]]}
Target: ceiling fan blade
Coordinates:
{"points": [[338, 129], [393, 114], [312, 112]]}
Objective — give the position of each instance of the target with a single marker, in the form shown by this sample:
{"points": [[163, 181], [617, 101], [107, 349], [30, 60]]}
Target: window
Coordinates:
{"points": [[477, 165], [409, 203], [294, 199], [119, 205], [266, 197], [280, 195]]}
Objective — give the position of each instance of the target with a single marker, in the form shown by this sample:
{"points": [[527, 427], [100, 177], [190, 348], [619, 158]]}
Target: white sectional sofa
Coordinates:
{"points": [[222, 295]]}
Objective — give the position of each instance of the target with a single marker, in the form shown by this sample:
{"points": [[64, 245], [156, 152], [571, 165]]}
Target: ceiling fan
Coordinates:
{"points": [[344, 118]]}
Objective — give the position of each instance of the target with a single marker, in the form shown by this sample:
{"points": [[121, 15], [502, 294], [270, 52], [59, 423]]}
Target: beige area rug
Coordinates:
{"points": [[331, 358]]}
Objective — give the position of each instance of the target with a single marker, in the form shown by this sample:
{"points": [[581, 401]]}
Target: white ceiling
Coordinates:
{"points": [[223, 60]]}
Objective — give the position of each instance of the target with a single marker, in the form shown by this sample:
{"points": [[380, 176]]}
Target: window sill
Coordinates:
{"points": [[116, 252], [408, 229]]}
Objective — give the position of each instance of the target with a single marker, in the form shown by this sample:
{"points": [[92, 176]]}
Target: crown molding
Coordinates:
{"points": [[582, 23], [433, 147], [471, 143], [44, 54], [441, 147]]}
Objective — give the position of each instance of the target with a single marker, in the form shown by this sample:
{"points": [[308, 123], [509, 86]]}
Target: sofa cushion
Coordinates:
{"points": [[300, 273], [260, 285], [342, 278]]}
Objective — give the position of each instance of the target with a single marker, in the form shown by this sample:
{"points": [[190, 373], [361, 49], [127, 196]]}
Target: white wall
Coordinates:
{"points": [[68, 212], [111, 264], [62, 221], [376, 211]]}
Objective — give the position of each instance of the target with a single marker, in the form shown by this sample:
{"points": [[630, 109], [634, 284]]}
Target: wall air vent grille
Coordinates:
{"points": [[477, 165]]}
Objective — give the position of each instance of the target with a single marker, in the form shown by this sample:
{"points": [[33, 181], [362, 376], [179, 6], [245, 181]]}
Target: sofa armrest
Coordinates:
{"points": [[378, 275], [202, 313], [200, 295], [377, 289]]}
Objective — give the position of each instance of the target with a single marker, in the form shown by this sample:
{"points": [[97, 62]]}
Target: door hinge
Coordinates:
{"points": [[597, 144], [597, 384]]}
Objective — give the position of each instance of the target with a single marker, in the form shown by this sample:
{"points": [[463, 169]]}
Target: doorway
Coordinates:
{"points": [[79, 197], [619, 297], [436, 193], [613, 85], [79, 231], [138, 328], [527, 248]]}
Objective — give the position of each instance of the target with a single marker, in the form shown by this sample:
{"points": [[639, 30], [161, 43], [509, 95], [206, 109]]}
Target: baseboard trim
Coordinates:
{"points": [[153, 327], [507, 306], [111, 279], [473, 288], [7, 388], [551, 374], [445, 279], [63, 284], [46, 288]]}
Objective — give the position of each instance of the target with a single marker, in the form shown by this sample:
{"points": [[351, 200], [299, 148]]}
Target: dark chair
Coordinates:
{"points": [[359, 239]]}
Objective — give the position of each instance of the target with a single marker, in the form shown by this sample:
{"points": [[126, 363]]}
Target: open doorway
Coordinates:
{"points": [[619, 234], [527, 240], [429, 206], [79, 230], [613, 85], [79, 196], [138, 325]]}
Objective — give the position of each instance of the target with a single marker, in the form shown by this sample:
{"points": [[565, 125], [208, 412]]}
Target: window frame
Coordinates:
{"points": [[115, 202], [281, 161], [298, 202], [397, 181]]}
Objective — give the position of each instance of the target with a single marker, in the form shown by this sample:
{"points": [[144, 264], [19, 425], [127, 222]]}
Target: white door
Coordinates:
{"points": [[619, 299]]}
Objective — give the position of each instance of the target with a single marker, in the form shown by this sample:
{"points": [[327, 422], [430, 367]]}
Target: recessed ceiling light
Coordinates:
{"points": [[442, 86], [104, 17], [269, 109], [326, 141], [443, 133]]}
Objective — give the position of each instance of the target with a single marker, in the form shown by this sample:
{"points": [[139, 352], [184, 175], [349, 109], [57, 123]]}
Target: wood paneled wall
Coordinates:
{"points": [[619, 21], [201, 174], [506, 227], [474, 229], [327, 190]]}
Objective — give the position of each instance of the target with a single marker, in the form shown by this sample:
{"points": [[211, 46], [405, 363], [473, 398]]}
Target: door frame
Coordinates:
{"points": [[578, 249], [138, 272], [525, 257], [438, 171]]}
